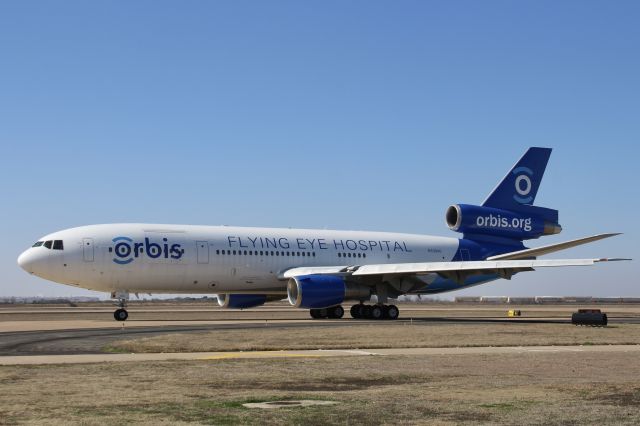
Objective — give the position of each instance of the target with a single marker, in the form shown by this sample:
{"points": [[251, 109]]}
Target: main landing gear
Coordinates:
{"points": [[376, 312], [332, 312], [360, 311], [121, 298]]}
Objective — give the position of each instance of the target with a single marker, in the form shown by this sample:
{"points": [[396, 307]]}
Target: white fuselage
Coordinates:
{"points": [[214, 259]]}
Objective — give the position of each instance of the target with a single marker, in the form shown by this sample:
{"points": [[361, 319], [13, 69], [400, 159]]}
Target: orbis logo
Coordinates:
{"points": [[523, 185], [498, 221], [126, 250]]}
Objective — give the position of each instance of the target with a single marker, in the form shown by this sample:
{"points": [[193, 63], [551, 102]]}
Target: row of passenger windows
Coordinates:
{"points": [[50, 244], [266, 253], [352, 254], [281, 253]]}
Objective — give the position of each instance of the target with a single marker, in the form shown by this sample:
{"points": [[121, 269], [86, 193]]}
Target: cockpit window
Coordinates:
{"points": [[38, 244], [48, 244], [57, 245]]}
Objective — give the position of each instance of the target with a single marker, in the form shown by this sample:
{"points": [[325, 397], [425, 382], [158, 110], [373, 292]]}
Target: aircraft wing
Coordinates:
{"points": [[482, 266], [504, 268]]}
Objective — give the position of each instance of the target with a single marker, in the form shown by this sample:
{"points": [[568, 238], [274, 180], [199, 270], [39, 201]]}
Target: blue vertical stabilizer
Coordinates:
{"points": [[520, 186]]}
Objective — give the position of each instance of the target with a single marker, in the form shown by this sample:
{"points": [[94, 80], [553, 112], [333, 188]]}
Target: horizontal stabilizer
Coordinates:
{"points": [[551, 248]]}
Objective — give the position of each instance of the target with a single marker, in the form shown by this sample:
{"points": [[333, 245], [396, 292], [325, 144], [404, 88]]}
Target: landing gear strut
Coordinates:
{"points": [[376, 312], [121, 298], [332, 312]]}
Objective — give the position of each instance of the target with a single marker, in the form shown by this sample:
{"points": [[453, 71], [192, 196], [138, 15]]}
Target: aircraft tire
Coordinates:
{"points": [[354, 311], [377, 312], [318, 313], [392, 312], [335, 312], [120, 315], [366, 311]]}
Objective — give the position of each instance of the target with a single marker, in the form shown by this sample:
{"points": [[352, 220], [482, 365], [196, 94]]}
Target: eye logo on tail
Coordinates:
{"points": [[523, 185]]}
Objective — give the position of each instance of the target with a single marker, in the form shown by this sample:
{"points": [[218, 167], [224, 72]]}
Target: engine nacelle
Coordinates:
{"points": [[240, 301], [471, 219], [323, 291]]}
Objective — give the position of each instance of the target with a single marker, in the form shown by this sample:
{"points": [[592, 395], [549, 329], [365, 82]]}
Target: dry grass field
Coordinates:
{"points": [[383, 335], [542, 388], [533, 388]]}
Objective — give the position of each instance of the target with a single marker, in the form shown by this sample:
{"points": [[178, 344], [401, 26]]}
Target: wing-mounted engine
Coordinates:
{"points": [[322, 291], [527, 223]]}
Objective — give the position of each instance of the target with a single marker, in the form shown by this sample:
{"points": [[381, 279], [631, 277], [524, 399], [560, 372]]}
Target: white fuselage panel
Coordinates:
{"points": [[217, 259]]}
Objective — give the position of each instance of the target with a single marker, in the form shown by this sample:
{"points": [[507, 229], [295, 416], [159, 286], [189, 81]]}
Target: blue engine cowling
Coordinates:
{"points": [[470, 219], [323, 291], [240, 301]]}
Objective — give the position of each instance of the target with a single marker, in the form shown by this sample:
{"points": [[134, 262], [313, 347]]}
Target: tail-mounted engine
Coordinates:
{"points": [[524, 225]]}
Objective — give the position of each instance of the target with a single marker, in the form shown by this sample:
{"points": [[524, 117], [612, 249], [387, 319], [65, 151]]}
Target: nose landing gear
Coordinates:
{"points": [[121, 314], [121, 299]]}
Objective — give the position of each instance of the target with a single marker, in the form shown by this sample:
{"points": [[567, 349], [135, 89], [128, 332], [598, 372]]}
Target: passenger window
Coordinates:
{"points": [[314, 254], [57, 245], [217, 251], [224, 252], [364, 254], [48, 244]]}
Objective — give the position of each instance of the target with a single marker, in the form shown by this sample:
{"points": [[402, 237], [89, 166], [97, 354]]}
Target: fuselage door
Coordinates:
{"points": [[87, 249], [203, 251]]}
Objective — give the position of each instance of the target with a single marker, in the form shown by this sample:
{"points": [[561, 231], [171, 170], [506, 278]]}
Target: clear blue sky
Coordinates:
{"points": [[348, 115]]}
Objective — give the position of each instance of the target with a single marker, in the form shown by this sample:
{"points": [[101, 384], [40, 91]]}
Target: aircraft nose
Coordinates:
{"points": [[27, 261]]}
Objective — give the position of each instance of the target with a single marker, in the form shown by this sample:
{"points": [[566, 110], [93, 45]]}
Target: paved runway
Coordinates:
{"points": [[27, 330], [214, 356]]}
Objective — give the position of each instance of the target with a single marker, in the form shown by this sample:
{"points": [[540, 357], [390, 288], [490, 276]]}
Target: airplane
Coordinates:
{"points": [[314, 269]]}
